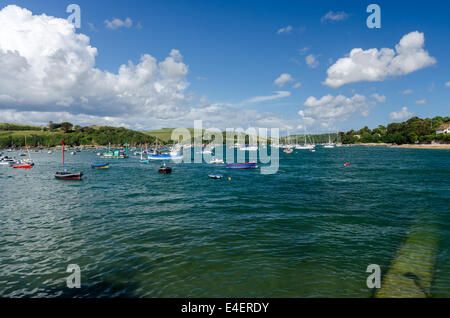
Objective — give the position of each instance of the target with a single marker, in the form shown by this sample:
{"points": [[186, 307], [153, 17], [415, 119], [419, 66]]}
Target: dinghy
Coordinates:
{"points": [[215, 176], [248, 165], [100, 166], [164, 169]]}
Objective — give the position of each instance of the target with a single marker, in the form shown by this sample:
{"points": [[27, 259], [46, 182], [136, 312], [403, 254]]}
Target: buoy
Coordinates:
{"points": [[347, 164], [229, 179]]}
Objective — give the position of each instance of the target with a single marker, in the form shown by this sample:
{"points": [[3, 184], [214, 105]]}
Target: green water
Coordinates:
{"points": [[310, 230]]}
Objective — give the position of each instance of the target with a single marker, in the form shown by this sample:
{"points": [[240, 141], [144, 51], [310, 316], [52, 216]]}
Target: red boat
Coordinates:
{"points": [[23, 166], [164, 169]]}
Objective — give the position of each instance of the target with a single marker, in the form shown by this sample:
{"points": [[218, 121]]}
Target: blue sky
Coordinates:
{"points": [[234, 52]]}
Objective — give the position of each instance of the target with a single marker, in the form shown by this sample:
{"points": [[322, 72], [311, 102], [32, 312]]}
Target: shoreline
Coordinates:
{"points": [[406, 146]]}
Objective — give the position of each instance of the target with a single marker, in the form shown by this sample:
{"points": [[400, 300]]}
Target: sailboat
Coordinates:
{"points": [[329, 144], [27, 163], [176, 153], [115, 154], [65, 175]]}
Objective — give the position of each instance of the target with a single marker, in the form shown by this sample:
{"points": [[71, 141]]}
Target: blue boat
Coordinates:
{"points": [[100, 166], [248, 165]]}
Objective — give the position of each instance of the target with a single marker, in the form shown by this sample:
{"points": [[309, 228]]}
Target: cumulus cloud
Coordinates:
{"points": [[401, 114], [334, 16], [379, 98], [312, 61], [447, 84], [376, 65], [297, 85], [331, 109], [286, 30], [118, 23], [283, 79], [46, 66]]}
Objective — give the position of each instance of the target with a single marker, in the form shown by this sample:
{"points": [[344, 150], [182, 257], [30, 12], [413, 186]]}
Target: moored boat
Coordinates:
{"points": [[164, 169], [100, 166], [248, 165], [65, 175]]}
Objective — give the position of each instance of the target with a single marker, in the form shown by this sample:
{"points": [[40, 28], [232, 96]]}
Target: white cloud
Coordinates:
{"points": [[375, 65], [286, 30], [283, 79], [297, 85], [447, 84], [118, 23], [330, 109], [304, 50], [401, 114], [276, 95], [406, 91], [421, 101], [334, 16], [312, 61], [379, 98], [46, 66]]}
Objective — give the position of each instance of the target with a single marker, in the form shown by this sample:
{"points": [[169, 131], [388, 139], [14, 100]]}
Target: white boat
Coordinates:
{"points": [[216, 161], [248, 148]]}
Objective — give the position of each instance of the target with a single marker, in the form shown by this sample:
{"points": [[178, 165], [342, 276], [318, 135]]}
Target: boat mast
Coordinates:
{"points": [[64, 165]]}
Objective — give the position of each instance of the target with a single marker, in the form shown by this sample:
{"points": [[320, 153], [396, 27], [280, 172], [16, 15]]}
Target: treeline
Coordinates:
{"points": [[414, 130], [15, 127], [74, 136]]}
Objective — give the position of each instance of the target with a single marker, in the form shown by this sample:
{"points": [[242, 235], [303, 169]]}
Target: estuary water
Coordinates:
{"points": [[309, 230]]}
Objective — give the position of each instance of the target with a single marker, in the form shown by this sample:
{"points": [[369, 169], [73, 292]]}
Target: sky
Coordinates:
{"points": [[296, 65]]}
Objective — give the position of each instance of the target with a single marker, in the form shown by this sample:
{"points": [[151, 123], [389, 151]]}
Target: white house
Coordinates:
{"points": [[443, 129]]}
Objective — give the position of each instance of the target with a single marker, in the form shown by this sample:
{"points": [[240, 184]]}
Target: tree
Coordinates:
{"points": [[66, 127]]}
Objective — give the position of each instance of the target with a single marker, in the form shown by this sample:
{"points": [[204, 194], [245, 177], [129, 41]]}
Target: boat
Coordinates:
{"points": [[23, 166], [329, 144], [248, 148], [164, 169], [248, 165], [288, 150], [117, 154], [215, 176], [7, 161], [100, 166], [65, 175], [172, 155]]}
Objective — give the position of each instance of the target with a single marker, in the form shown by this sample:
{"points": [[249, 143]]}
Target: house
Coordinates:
{"points": [[443, 129]]}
